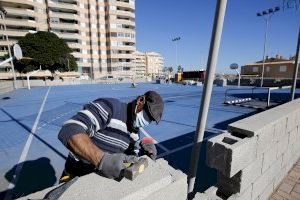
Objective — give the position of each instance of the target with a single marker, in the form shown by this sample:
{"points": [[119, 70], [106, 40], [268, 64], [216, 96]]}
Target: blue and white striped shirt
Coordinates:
{"points": [[104, 120]]}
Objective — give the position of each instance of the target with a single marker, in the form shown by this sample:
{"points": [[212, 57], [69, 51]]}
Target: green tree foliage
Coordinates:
{"points": [[47, 50]]}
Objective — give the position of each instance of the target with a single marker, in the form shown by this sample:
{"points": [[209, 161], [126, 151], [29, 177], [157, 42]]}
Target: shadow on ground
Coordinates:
{"points": [[180, 160], [224, 124], [36, 175]]}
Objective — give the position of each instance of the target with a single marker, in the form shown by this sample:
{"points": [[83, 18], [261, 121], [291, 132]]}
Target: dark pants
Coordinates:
{"points": [[75, 168]]}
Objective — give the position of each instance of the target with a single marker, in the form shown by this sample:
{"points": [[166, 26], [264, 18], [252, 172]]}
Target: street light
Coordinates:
{"points": [[176, 41], [267, 14], [3, 12], [235, 66]]}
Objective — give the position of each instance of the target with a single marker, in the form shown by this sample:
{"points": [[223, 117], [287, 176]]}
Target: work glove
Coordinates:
{"points": [[148, 147], [111, 165]]}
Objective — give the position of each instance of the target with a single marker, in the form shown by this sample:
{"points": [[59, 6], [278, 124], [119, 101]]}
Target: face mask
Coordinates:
{"points": [[140, 121]]}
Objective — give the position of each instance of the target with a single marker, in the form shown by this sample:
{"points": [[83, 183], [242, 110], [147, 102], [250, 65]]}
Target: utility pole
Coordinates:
{"points": [[267, 14], [176, 43], [296, 68], [207, 90]]}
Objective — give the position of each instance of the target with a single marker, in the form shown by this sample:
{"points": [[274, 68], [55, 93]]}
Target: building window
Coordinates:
{"points": [[282, 68], [255, 69], [268, 69]]}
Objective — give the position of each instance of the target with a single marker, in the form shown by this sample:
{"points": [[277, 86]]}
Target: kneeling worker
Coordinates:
{"points": [[105, 134]]}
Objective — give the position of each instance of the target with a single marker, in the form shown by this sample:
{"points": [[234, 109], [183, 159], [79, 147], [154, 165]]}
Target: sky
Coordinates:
{"points": [[242, 42]]}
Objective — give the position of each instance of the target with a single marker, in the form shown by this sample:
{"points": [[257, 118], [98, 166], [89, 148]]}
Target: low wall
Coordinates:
{"points": [[159, 181], [7, 86], [256, 153]]}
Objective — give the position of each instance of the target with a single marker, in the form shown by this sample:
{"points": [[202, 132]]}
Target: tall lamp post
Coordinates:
{"points": [[3, 12], [176, 41], [266, 14], [235, 66]]}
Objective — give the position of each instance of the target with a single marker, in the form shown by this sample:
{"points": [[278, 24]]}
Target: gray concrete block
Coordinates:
{"points": [[230, 154], [246, 195], [157, 177], [176, 190], [261, 183], [275, 170], [266, 136], [293, 135], [266, 193], [282, 145], [242, 180], [209, 194], [280, 129], [298, 118], [286, 161], [291, 121], [269, 158]]}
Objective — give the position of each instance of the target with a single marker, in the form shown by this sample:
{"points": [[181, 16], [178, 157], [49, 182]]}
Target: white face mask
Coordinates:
{"points": [[140, 121]]}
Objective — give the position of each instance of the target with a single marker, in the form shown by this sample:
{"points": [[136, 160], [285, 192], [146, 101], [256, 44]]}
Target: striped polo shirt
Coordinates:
{"points": [[104, 120]]}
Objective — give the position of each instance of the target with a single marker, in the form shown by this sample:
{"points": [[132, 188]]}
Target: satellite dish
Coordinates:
{"points": [[234, 66], [17, 52]]}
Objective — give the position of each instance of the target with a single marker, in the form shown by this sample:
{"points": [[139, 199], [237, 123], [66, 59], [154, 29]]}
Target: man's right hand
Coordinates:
{"points": [[111, 165]]}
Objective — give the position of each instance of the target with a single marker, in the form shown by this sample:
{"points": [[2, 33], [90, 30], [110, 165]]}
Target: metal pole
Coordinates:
{"points": [[269, 97], [176, 53], [264, 53], [207, 90], [6, 61], [9, 52], [296, 68], [239, 81]]}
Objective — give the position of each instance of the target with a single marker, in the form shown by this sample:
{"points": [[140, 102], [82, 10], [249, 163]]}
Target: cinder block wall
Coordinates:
{"points": [[255, 153]]}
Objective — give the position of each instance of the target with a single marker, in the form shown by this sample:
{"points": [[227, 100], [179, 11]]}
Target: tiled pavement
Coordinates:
{"points": [[289, 188]]}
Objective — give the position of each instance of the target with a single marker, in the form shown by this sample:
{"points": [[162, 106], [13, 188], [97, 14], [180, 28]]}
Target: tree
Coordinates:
{"points": [[47, 50], [170, 69]]}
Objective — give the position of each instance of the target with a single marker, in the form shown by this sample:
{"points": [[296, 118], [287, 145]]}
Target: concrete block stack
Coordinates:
{"points": [[255, 153], [158, 181]]}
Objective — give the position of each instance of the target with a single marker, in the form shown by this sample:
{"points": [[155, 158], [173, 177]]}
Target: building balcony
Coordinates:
{"points": [[68, 35], [123, 48], [125, 4], [63, 15], [18, 22], [122, 56], [3, 53], [125, 22], [68, 6], [18, 33], [20, 11], [30, 2], [9, 42], [64, 26], [123, 13]]}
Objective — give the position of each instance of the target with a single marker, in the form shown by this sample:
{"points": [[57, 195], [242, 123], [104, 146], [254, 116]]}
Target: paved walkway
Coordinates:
{"points": [[289, 188]]}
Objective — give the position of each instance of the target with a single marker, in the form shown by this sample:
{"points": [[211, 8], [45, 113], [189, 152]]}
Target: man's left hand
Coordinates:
{"points": [[148, 147]]}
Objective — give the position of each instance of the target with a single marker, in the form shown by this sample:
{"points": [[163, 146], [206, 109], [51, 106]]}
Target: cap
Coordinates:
{"points": [[154, 105]]}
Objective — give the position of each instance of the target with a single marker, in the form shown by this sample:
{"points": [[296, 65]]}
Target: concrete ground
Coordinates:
{"points": [[32, 158]]}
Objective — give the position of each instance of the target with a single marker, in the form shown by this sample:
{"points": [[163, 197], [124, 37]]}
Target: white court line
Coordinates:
{"points": [[155, 142], [19, 165]]}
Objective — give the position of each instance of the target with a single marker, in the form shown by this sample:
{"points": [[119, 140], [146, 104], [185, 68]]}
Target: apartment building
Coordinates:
{"points": [[154, 64], [274, 68], [140, 65], [148, 64], [100, 32]]}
